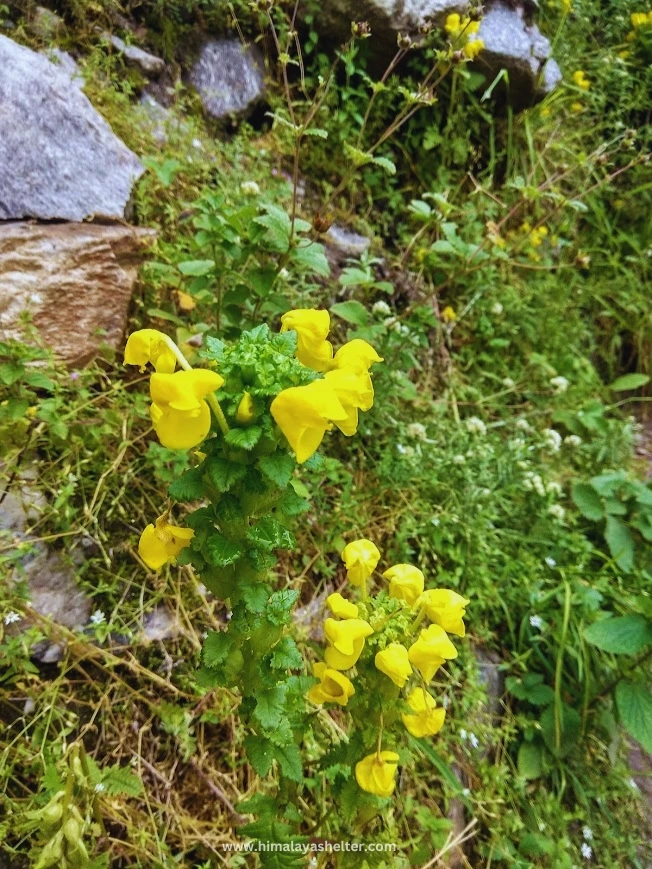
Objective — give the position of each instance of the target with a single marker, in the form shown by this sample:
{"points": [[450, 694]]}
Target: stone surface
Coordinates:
{"points": [[46, 23], [67, 64], [146, 62], [159, 624], [228, 77], [346, 241], [76, 280], [59, 159], [157, 118]]}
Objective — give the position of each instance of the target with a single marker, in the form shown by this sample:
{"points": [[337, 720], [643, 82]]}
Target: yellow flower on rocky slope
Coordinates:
{"points": [[161, 542], [346, 641], [360, 558], [394, 662], [445, 608], [150, 345], [406, 582], [355, 393], [312, 328], [179, 412], [305, 413], [426, 719], [431, 650], [376, 773], [333, 687], [341, 607]]}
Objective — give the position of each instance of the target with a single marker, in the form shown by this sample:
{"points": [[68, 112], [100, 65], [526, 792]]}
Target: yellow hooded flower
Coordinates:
{"points": [[245, 412], [312, 327], [333, 687], [180, 415], [427, 720], [445, 608], [161, 542], [431, 650], [356, 355], [393, 662], [150, 345], [305, 413], [375, 773], [341, 607], [406, 582], [473, 48], [355, 393], [346, 641], [360, 558]]}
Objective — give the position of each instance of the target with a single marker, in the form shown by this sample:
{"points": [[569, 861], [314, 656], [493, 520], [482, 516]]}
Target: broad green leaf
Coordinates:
{"points": [[216, 648], [197, 267], [223, 474], [569, 729], [220, 552], [621, 543], [386, 164], [352, 312], [188, 487], [310, 259], [629, 381], [260, 753], [244, 438], [269, 534], [624, 635], [286, 655], [280, 606], [288, 757], [587, 501], [270, 705], [530, 760], [278, 468], [634, 704]]}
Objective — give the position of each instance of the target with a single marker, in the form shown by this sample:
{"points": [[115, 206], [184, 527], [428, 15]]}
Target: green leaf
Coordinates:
{"points": [[310, 259], [629, 381], [197, 267], [223, 474], [530, 760], [260, 753], [621, 543], [278, 225], [216, 648], [286, 655], [280, 605], [270, 706], [288, 757], [351, 311], [587, 501], [278, 468], [121, 780], [255, 597], [269, 534], [530, 688], [569, 730], [624, 635], [220, 552], [634, 704], [244, 438], [386, 164], [189, 486], [38, 380]]}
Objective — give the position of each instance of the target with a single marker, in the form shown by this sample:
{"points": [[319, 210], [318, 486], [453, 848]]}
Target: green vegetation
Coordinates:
{"points": [[506, 290]]}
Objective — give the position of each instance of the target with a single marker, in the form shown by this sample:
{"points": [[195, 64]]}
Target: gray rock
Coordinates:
{"points": [[146, 62], [46, 23], [67, 63], [59, 159], [346, 241], [228, 77], [160, 624], [157, 117]]}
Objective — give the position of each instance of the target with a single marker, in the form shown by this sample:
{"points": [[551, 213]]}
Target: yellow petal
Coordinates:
{"points": [[360, 558], [245, 412], [186, 301], [406, 582], [177, 430], [304, 415], [312, 327], [341, 607], [184, 390], [150, 345], [162, 541], [393, 662], [356, 355], [376, 773]]}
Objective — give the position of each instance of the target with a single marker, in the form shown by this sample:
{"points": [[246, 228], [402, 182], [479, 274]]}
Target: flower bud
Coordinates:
{"points": [[72, 830], [404, 42]]}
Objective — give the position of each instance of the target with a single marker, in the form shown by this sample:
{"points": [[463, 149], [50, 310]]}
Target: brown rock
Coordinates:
{"points": [[74, 279]]}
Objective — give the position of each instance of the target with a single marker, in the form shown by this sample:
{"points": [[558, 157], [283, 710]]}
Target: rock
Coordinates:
{"points": [[159, 624], [228, 77], [157, 118], [59, 159], [67, 63], [46, 24], [347, 242], [146, 62], [492, 678], [76, 280], [511, 43]]}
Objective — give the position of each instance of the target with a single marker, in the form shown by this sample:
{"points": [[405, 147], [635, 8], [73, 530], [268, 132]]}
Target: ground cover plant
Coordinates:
{"points": [[316, 464]]}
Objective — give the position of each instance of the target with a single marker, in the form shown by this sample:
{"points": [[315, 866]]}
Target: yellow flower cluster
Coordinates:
{"points": [[426, 650], [641, 19], [460, 29], [305, 413], [580, 79]]}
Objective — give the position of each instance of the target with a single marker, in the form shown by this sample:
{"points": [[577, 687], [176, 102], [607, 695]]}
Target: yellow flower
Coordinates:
{"points": [[580, 79], [180, 414], [161, 542], [246, 411], [312, 327], [445, 608], [186, 301], [305, 413], [427, 719], [341, 607], [360, 558], [639, 19], [346, 641], [375, 773], [355, 393], [452, 24], [150, 345], [338, 661], [431, 650], [356, 355], [406, 582], [577, 107], [393, 662], [333, 687], [473, 48], [448, 315]]}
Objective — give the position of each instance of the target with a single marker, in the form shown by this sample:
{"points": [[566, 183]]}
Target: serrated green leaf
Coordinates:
{"points": [[530, 760], [280, 605], [623, 635], [121, 780], [278, 468], [386, 164], [270, 706], [260, 754], [197, 268], [621, 543], [286, 655], [220, 552], [587, 501], [629, 381], [216, 648], [223, 474], [244, 438], [255, 597], [188, 487], [310, 259], [288, 757], [634, 704], [269, 534], [351, 311]]}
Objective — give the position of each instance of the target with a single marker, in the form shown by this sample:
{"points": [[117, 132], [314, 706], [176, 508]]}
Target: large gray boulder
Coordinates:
{"points": [[229, 77], [59, 159]]}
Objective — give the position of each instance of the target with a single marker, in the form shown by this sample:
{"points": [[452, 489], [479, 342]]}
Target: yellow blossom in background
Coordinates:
{"points": [[406, 582], [445, 608], [161, 542], [640, 19], [426, 719], [245, 412], [431, 650], [355, 393], [312, 328], [577, 107], [473, 48], [448, 315], [537, 235], [394, 662], [305, 413], [179, 413], [333, 687], [455, 26], [341, 607], [186, 301], [580, 79], [376, 773], [150, 345], [356, 355], [360, 559]]}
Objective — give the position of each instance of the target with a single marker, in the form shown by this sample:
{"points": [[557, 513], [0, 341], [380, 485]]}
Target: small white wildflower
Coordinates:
{"points": [[381, 309], [463, 734], [474, 425], [196, 143], [417, 431], [459, 459], [401, 450], [466, 792], [523, 424], [12, 617], [550, 561], [508, 383], [553, 439], [587, 832], [534, 483], [98, 618], [473, 739], [587, 851], [536, 622], [389, 322], [632, 783], [573, 441], [516, 443], [250, 188], [554, 488], [445, 702], [559, 384], [436, 521], [404, 330], [557, 512], [484, 492], [284, 274], [99, 788], [497, 309]]}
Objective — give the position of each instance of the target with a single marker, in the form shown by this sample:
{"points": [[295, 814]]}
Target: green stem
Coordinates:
{"points": [[560, 661]]}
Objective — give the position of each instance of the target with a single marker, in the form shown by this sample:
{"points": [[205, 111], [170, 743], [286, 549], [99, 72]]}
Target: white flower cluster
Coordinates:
{"points": [[381, 309], [474, 425], [553, 439], [559, 384], [250, 188], [472, 738]]}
